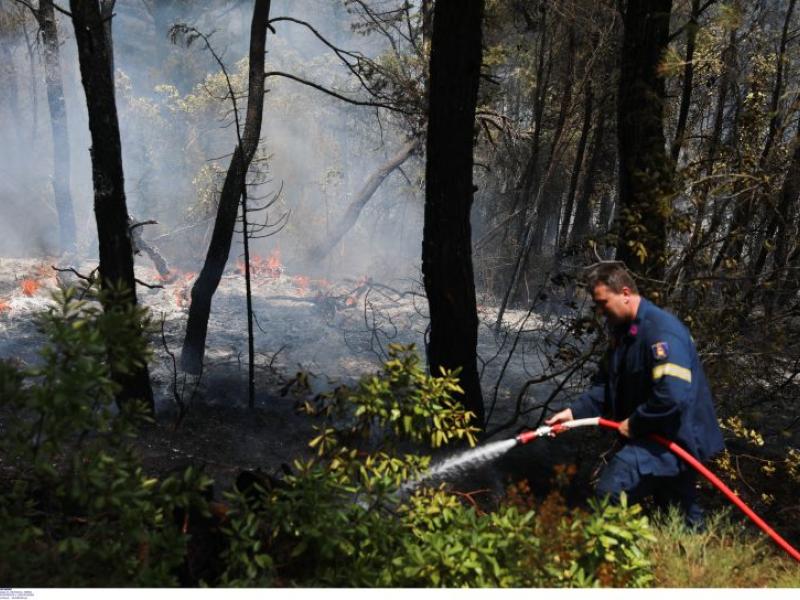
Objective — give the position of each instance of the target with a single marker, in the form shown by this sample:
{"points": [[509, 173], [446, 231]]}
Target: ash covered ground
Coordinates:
{"points": [[331, 331]]}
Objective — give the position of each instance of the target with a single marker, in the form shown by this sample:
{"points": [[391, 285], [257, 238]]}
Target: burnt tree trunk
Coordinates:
{"points": [[220, 246], [549, 208], [113, 233], [645, 171], [446, 243], [576, 168], [688, 78], [353, 211], [747, 207], [583, 211], [45, 15]]}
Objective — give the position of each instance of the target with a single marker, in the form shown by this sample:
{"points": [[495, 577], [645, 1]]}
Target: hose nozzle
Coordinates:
{"points": [[543, 431]]}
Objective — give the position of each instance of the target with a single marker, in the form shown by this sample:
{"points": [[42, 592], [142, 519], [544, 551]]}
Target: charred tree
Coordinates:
{"points": [[446, 243], [353, 211], [645, 168], [688, 79], [111, 213], [46, 18], [576, 168], [546, 224], [220, 246], [581, 228]]}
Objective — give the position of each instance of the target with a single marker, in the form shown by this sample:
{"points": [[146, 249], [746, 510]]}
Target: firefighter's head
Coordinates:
{"points": [[614, 292]]}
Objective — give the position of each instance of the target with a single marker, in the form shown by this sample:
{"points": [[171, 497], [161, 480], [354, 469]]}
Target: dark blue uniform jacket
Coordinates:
{"points": [[653, 375]]}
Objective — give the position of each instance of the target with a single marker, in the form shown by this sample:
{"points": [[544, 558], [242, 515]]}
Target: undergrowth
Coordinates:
{"points": [[78, 509], [729, 553]]}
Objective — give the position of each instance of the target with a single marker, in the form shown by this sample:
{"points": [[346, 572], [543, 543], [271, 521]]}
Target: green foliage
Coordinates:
{"points": [[76, 506], [347, 506]]}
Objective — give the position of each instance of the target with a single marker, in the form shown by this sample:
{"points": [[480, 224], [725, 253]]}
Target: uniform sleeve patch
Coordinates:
{"points": [[660, 350], [672, 370]]}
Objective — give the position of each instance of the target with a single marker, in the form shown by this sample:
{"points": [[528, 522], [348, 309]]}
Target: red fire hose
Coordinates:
{"points": [[527, 436]]}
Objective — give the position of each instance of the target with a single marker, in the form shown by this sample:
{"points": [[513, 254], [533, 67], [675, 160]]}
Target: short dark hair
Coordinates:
{"points": [[613, 274]]}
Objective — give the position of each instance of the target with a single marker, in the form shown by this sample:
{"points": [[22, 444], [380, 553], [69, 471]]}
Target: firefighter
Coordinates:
{"points": [[650, 380]]}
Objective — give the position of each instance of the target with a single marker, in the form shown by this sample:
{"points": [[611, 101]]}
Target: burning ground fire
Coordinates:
{"points": [[30, 283], [339, 329]]}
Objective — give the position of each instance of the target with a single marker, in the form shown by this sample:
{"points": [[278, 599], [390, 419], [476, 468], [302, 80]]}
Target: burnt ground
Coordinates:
{"points": [[331, 332], [334, 332]]}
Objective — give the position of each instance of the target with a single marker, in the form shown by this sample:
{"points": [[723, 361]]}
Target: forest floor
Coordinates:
{"points": [[327, 333], [333, 333]]}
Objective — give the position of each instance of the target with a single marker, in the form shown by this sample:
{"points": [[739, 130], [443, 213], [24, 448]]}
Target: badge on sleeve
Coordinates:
{"points": [[660, 350]]}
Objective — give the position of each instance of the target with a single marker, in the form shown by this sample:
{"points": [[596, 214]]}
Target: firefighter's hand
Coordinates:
{"points": [[624, 429], [560, 417]]}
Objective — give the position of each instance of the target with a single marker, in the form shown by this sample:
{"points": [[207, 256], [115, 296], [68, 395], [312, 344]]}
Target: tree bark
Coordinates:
{"points": [[583, 211], [220, 246], [58, 123], [353, 211], [777, 90], [446, 245], [576, 167], [688, 78], [550, 209], [645, 169], [113, 233]]}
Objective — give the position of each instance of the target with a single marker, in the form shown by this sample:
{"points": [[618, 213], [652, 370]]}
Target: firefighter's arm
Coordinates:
{"points": [[592, 402], [669, 370]]}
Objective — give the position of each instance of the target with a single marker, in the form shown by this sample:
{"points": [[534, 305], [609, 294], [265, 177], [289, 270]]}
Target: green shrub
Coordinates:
{"points": [[76, 506], [342, 518]]}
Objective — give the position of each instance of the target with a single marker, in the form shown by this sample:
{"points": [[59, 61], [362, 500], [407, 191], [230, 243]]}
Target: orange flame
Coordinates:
{"points": [[269, 267], [29, 286], [301, 282], [4, 306]]}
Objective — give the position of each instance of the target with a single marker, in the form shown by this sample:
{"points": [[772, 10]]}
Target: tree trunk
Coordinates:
{"points": [[645, 169], [446, 246], [777, 90], [353, 211], [220, 246], [113, 233], [576, 167], [58, 122], [583, 211], [688, 78], [9, 98]]}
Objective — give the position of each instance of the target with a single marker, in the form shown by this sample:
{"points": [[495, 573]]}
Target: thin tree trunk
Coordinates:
{"points": [[9, 96], [113, 232], [688, 79], [348, 220], [747, 206], [777, 90], [583, 211], [446, 246], [549, 208], [58, 122], [220, 246], [576, 168], [781, 221], [645, 171], [530, 175], [698, 237]]}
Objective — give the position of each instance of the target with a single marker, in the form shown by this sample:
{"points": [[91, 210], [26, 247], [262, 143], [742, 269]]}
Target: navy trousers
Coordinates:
{"points": [[621, 475]]}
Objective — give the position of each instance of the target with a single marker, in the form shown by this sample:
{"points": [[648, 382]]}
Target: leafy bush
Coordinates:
{"points": [[345, 519], [76, 506]]}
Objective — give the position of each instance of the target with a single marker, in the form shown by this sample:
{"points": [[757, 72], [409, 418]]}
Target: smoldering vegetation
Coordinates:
{"points": [[177, 134]]}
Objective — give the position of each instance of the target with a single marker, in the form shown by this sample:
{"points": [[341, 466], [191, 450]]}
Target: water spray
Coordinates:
{"points": [[553, 430]]}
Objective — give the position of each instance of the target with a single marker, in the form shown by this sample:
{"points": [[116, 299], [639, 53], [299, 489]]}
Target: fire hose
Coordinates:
{"points": [[549, 431]]}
